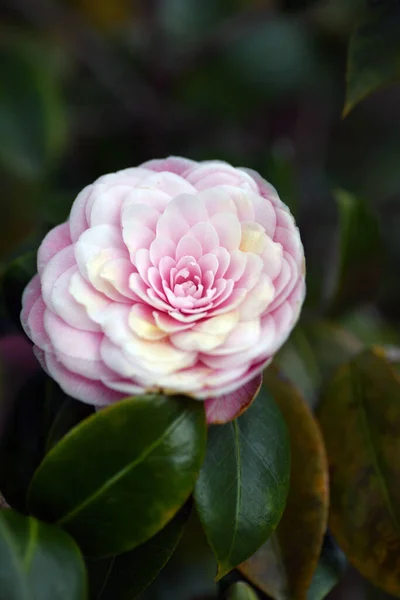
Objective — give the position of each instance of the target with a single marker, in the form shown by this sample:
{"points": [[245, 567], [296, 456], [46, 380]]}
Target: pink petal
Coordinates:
{"points": [[162, 246], [168, 324], [291, 242], [77, 219], [56, 267], [224, 259], [145, 293], [106, 205], [96, 247], [265, 189], [285, 281], [34, 326], [155, 282], [243, 201], [141, 321], [155, 199], [171, 225], [218, 200], [158, 357], [139, 215], [252, 272], [188, 246], [76, 386], [65, 305], [31, 293], [143, 263], [244, 335], [131, 176], [70, 341], [265, 214], [228, 230], [171, 184], [167, 264], [258, 300], [115, 274], [272, 257], [173, 164], [237, 265], [206, 235], [222, 409], [137, 236], [57, 239], [126, 387], [230, 300], [263, 347], [88, 297], [191, 208], [208, 262], [213, 173]]}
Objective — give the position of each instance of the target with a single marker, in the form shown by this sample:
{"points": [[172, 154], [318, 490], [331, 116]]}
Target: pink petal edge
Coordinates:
{"points": [[222, 409]]}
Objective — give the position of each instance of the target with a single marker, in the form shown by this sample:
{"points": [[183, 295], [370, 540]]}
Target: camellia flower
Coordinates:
{"points": [[174, 276]]}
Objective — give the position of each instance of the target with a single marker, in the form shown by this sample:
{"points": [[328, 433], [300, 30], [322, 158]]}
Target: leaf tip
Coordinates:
{"points": [[223, 569], [348, 107]]}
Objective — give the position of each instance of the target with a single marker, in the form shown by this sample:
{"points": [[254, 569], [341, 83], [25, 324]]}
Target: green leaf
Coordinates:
{"points": [[244, 481], [32, 416], [313, 352], [360, 419], [38, 561], [129, 467], [32, 114], [125, 576], [330, 569], [241, 591], [374, 51], [360, 252], [284, 566]]}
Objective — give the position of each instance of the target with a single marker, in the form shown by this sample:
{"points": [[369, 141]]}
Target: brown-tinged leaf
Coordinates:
{"points": [[360, 419], [283, 568]]}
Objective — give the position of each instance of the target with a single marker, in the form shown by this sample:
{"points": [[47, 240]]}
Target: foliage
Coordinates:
{"points": [[114, 504]]}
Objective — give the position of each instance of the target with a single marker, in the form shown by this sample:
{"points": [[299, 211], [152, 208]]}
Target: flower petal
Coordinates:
{"points": [[221, 409], [56, 240]]}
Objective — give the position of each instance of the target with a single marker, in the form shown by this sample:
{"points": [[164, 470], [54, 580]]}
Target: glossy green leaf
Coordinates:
{"points": [[32, 116], [129, 467], [125, 576], [374, 51], [284, 566], [38, 561], [360, 419], [34, 415], [330, 569], [243, 485], [360, 252], [241, 591]]}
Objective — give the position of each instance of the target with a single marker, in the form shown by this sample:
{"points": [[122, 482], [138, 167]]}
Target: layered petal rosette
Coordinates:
{"points": [[174, 276]]}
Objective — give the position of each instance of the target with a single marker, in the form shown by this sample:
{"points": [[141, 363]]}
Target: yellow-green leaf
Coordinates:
{"points": [[360, 419]]}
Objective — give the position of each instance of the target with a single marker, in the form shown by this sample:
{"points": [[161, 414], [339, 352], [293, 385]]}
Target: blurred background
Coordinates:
{"points": [[93, 86]]}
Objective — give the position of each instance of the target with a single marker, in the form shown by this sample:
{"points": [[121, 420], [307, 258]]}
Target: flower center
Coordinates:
{"points": [[187, 281]]}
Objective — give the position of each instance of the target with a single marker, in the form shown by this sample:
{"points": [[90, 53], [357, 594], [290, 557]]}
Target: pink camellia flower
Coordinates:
{"points": [[174, 276]]}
